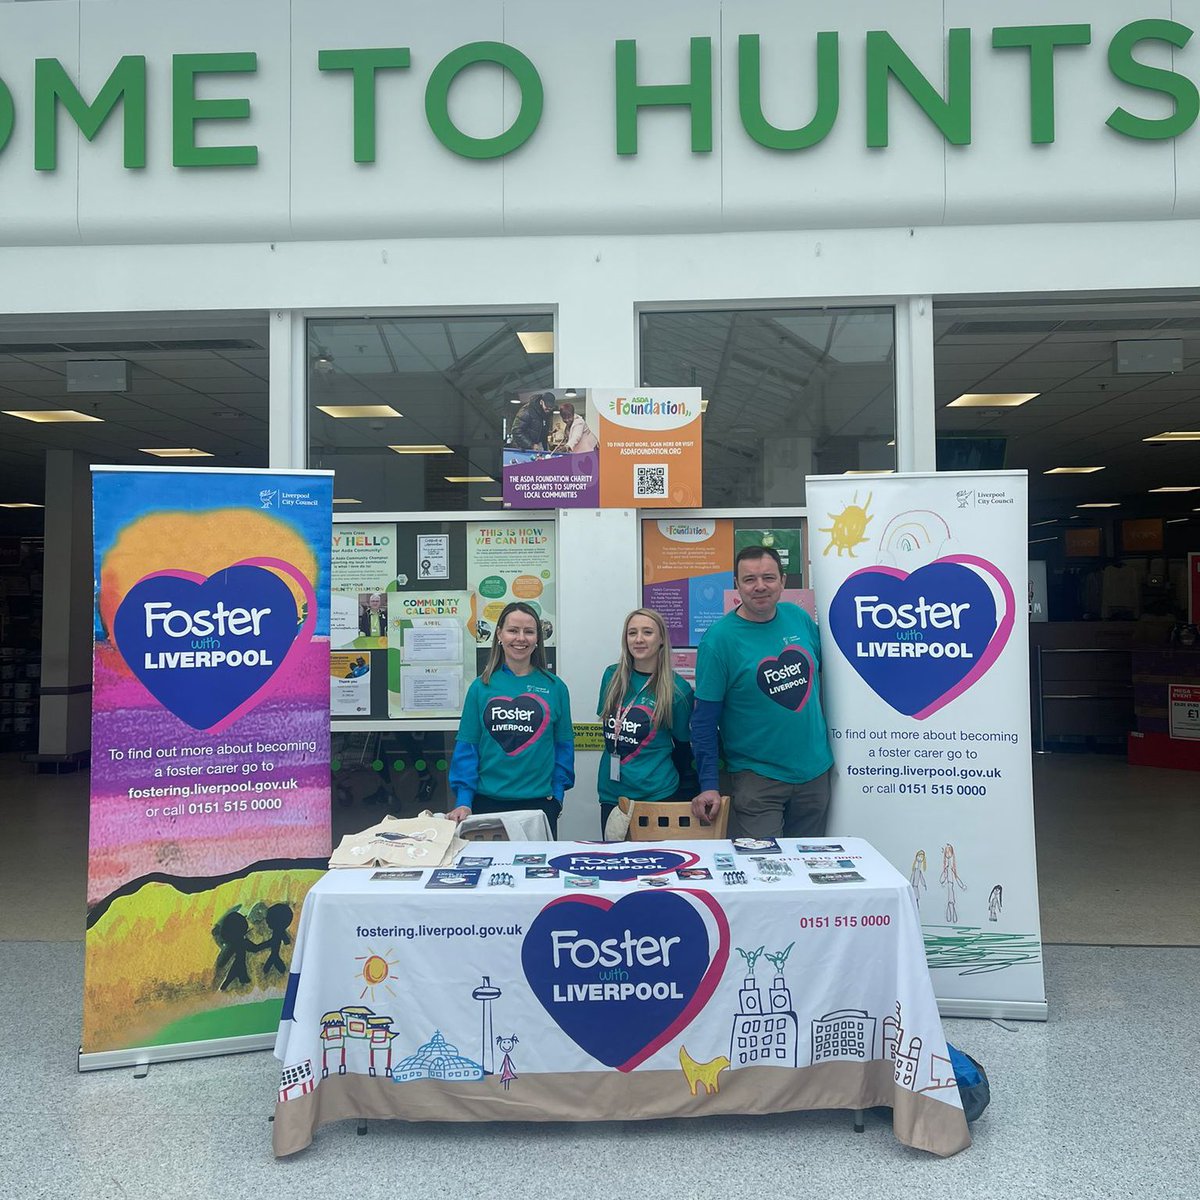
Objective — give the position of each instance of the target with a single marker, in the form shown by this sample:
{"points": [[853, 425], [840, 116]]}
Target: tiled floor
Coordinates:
{"points": [[1101, 1101]]}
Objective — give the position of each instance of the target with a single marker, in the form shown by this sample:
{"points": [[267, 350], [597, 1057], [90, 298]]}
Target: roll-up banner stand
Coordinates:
{"points": [[210, 813], [921, 586]]}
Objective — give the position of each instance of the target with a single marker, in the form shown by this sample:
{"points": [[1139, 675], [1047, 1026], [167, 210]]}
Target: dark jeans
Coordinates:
{"points": [[547, 805]]}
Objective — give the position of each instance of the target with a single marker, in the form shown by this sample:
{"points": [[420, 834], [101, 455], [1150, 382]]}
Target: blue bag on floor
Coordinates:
{"points": [[972, 1082]]}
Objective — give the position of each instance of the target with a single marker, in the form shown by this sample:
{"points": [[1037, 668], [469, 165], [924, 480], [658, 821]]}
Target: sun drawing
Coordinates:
{"points": [[849, 529], [376, 971]]}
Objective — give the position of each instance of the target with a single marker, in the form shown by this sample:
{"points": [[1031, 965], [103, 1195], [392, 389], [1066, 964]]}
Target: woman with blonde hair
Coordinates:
{"points": [[645, 709], [516, 745]]}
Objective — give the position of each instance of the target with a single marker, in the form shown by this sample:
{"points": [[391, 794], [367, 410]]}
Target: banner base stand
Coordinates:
{"points": [[1006, 1010], [143, 1056]]}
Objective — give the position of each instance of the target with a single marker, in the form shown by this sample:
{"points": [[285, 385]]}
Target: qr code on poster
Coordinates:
{"points": [[650, 481]]}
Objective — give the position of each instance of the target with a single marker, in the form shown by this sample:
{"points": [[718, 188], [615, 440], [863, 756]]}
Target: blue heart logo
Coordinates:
{"points": [[204, 648], [621, 866], [622, 979], [919, 641]]}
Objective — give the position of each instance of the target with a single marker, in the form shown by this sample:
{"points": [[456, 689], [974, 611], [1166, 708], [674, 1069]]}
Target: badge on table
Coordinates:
{"points": [[723, 862], [528, 860], [541, 872], [836, 877], [398, 876], [756, 846], [819, 848], [453, 877], [694, 873], [580, 881], [468, 861]]}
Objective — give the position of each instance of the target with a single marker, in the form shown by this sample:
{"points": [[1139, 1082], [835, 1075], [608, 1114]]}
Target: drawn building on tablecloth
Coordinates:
{"points": [[847, 1033], [297, 1080], [355, 1023], [764, 1035], [437, 1059], [907, 1060]]}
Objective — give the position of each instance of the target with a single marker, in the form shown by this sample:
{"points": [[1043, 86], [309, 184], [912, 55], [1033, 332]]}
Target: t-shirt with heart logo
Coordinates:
{"points": [[767, 674], [647, 769], [514, 722]]}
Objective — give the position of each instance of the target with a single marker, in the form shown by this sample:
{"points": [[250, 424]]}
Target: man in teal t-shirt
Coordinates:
{"points": [[758, 681]]}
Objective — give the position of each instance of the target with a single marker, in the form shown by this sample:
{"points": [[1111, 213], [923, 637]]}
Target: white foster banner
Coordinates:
{"points": [[921, 595]]}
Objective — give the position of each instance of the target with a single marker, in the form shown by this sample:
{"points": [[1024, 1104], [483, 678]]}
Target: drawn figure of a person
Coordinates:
{"points": [[995, 902], [279, 918], [507, 1070], [232, 934], [950, 881], [916, 876]]}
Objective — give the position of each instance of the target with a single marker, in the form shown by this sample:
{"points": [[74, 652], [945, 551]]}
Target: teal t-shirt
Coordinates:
{"points": [[767, 673], [515, 721], [647, 770]]}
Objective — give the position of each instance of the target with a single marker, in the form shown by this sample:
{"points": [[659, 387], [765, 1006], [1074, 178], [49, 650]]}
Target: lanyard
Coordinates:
{"points": [[614, 758]]}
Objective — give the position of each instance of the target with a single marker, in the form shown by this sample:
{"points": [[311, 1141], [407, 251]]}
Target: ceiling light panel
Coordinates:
{"points": [[49, 416], [992, 399], [359, 410]]}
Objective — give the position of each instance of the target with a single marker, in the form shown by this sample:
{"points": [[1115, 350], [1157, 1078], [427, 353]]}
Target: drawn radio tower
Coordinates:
{"points": [[485, 993]]}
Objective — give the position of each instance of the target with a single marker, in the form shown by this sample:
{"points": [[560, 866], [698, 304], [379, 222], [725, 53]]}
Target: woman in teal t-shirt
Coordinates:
{"points": [[516, 746], [644, 711]]}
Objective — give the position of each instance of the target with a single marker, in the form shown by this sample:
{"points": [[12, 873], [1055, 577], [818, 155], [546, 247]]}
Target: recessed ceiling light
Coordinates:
{"points": [[176, 452], [880, 471], [1072, 470], [21, 504], [468, 479], [359, 410], [345, 500], [1049, 522], [1035, 541], [1182, 435], [570, 394], [992, 399], [421, 449], [1179, 520], [49, 416], [1185, 488], [703, 405], [492, 499], [892, 442], [536, 342], [1101, 504]]}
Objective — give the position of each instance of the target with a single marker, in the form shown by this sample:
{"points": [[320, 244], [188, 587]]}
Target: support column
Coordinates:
{"points": [[65, 716], [916, 448], [286, 407]]}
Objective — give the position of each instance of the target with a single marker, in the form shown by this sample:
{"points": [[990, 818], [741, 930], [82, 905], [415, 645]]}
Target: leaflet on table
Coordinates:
{"points": [[507, 561], [430, 643], [349, 684], [686, 565]]}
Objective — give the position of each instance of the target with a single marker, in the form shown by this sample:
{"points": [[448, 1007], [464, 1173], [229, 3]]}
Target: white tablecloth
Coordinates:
{"points": [[502, 995]]}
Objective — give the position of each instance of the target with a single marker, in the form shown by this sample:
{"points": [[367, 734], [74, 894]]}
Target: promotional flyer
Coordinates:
{"points": [[631, 448], [511, 560], [686, 567], [210, 748], [922, 592]]}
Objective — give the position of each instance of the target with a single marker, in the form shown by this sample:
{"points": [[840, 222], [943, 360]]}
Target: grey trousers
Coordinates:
{"points": [[763, 807]]}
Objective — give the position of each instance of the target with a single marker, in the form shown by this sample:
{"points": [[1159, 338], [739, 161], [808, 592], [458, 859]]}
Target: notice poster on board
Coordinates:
{"points": [[349, 684], [921, 592], [686, 567], [363, 570], [507, 561], [431, 647], [210, 751]]}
